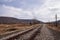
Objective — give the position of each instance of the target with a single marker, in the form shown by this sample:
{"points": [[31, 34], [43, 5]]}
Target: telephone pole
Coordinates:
{"points": [[56, 19]]}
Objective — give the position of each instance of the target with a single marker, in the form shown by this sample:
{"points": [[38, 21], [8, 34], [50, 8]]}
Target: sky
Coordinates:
{"points": [[43, 10]]}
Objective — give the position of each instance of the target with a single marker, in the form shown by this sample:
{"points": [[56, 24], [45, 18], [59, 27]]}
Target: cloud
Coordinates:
{"points": [[44, 10], [15, 12], [48, 10], [24, 4], [7, 0]]}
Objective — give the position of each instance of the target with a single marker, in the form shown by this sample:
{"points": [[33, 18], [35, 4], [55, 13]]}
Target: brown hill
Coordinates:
{"points": [[11, 20]]}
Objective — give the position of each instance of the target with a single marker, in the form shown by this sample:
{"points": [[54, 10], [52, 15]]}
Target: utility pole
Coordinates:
{"points": [[56, 19]]}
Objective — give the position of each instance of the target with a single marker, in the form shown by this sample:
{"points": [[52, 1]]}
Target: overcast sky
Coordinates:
{"points": [[43, 10]]}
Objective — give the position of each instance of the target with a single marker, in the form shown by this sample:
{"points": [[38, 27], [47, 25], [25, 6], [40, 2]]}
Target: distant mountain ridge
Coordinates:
{"points": [[58, 22], [11, 20]]}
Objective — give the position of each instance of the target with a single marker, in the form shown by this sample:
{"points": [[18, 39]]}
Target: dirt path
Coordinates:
{"points": [[44, 34]]}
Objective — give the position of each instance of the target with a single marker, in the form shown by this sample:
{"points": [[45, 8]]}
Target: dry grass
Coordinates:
{"points": [[13, 27], [54, 27]]}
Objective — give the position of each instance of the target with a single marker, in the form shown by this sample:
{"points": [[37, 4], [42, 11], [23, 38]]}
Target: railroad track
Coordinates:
{"points": [[24, 35]]}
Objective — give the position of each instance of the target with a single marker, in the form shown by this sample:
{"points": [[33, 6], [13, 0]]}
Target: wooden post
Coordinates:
{"points": [[56, 19]]}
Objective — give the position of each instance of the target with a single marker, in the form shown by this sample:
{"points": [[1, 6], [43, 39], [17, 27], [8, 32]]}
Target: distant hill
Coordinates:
{"points": [[11, 20], [58, 21], [54, 22]]}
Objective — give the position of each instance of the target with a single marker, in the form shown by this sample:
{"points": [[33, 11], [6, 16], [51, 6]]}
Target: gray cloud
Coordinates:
{"points": [[15, 12], [29, 9]]}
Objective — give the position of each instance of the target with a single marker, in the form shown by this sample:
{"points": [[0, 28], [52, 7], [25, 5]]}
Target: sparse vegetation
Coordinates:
{"points": [[13, 27], [53, 26]]}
